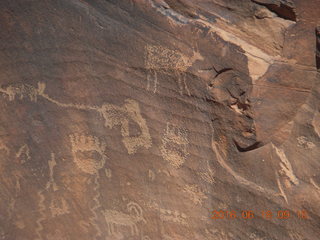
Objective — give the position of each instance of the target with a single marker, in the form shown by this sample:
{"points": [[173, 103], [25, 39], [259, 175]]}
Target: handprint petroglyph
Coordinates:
{"points": [[88, 152]]}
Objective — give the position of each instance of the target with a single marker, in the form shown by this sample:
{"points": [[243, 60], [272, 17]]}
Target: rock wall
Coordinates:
{"points": [[159, 120]]}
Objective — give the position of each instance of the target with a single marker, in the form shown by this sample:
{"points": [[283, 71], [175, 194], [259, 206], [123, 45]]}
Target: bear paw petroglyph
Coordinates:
{"points": [[88, 152]]}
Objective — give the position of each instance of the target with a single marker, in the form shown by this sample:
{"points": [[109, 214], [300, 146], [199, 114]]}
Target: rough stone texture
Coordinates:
{"points": [[136, 119]]}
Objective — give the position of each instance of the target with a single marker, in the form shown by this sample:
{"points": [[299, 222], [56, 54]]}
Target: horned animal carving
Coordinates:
{"points": [[159, 59], [115, 218]]}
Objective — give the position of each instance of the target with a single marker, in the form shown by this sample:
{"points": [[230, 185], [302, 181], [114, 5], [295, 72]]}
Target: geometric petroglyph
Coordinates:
{"points": [[88, 152], [304, 143], [174, 145], [195, 194], [208, 176], [159, 59], [121, 116], [117, 219], [58, 207], [23, 91], [23, 154]]}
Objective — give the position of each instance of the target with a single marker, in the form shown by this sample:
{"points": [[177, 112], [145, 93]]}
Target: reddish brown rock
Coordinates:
{"points": [[135, 120]]}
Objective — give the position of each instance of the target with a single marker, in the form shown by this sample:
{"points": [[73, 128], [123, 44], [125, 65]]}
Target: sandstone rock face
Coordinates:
{"points": [[160, 119]]}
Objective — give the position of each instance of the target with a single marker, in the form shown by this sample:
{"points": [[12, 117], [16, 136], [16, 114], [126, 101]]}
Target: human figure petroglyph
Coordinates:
{"points": [[115, 218], [23, 154], [161, 59], [121, 116], [174, 145], [83, 148], [51, 183]]}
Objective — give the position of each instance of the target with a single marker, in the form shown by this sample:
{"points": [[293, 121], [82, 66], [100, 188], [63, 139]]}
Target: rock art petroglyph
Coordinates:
{"points": [[151, 175], [121, 116], [96, 207], [113, 115], [23, 154], [42, 212], [59, 206], [208, 175], [174, 148], [195, 194], [4, 147], [286, 168], [159, 59], [23, 91], [119, 219], [304, 143], [51, 183], [85, 150], [108, 173], [173, 216]]}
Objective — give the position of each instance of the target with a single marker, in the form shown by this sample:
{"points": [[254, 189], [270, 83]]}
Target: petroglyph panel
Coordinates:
{"points": [[117, 220], [174, 148], [88, 152]]}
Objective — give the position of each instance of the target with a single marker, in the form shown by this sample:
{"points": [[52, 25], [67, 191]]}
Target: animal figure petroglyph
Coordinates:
{"points": [[172, 216], [174, 145], [195, 194], [121, 116], [22, 90], [115, 218], [83, 148], [159, 59]]}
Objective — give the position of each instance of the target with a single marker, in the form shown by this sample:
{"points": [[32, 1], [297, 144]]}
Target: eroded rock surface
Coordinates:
{"points": [[135, 119]]}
